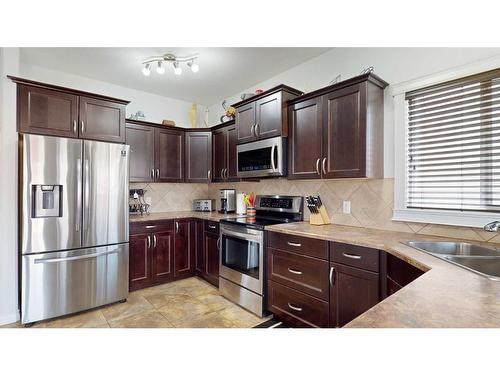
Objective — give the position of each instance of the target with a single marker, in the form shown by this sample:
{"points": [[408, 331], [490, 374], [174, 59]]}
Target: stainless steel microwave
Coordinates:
{"points": [[265, 158]]}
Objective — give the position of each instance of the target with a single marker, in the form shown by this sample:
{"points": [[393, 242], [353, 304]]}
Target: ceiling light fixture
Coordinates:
{"points": [[160, 69], [146, 70], [172, 59]]}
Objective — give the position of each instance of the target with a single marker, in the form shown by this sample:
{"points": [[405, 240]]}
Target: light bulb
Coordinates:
{"points": [[146, 70], [160, 69], [194, 67], [177, 68]]}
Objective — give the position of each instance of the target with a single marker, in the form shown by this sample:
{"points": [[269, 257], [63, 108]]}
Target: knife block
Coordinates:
{"points": [[320, 218]]}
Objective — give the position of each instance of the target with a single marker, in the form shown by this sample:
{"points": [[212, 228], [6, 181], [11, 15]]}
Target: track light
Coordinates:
{"points": [[195, 68], [177, 68], [160, 69], [146, 70]]}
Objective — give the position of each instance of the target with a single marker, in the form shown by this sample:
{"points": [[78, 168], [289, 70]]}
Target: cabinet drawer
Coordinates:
{"points": [[355, 256], [297, 244], [401, 272], [305, 310], [306, 274], [211, 226], [151, 226]]}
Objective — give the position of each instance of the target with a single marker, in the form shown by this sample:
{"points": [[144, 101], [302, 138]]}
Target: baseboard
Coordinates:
{"points": [[9, 318]]}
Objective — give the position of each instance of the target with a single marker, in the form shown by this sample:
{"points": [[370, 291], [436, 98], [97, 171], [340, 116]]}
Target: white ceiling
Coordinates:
{"points": [[223, 71]]}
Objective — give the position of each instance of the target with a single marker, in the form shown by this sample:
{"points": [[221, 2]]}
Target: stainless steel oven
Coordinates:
{"points": [[241, 265], [265, 158]]}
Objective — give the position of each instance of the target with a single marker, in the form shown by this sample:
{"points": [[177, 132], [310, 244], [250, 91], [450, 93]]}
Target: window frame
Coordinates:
{"points": [[401, 212]]}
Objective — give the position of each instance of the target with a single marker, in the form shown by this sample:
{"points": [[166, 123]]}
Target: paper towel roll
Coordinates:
{"points": [[241, 207]]}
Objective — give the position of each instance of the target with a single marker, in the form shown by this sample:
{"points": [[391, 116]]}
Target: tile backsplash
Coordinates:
{"points": [[172, 196], [371, 202]]}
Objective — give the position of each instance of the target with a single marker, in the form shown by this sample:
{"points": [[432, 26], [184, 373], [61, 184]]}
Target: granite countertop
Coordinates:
{"points": [[445, 296], [214, 216]]}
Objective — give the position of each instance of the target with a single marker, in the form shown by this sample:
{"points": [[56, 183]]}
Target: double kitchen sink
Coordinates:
{"points": [[481, 260]]}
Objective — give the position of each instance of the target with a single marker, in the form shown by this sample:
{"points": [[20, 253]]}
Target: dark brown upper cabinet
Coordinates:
{"points": [[306, 139], [198, 156], [60, 111], [264, 115], [224, 141], [348, 118], [169, 155], [142, 161], [102, 120]]}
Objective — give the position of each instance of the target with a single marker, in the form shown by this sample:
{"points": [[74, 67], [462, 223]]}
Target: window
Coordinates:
{"points": [[452, 148]]}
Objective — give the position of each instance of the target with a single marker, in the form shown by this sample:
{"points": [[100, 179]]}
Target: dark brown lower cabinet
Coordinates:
{"points": [[352, 292], [140, 273], [163, 247], [184, 248], [212, 258], [199, 246]]}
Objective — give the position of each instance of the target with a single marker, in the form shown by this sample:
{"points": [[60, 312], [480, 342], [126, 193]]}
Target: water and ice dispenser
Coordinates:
{"points": [[47, 201]]}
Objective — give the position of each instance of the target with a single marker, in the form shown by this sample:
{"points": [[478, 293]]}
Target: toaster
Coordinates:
{"points": [[204, 205]]}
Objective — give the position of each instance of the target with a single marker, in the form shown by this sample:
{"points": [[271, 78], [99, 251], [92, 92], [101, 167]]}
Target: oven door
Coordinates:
{"points": [[261, 158], [241, 256]]}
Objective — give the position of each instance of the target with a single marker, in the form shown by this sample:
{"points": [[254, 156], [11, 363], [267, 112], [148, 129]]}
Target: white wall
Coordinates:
{"points": [[9, 64], [155, 107], [394, 65]]}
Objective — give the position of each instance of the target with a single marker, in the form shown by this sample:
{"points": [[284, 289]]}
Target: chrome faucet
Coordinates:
{"points": [[492, 227]]}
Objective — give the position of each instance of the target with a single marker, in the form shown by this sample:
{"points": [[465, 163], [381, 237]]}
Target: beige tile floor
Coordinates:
{"points": [[187, 303]]}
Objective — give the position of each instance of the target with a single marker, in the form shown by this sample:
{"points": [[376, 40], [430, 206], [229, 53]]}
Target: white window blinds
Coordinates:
{"points": [[454, 145]]}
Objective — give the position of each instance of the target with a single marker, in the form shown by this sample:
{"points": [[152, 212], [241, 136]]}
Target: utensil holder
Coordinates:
{"points": [[320, 218], [251, 211]]}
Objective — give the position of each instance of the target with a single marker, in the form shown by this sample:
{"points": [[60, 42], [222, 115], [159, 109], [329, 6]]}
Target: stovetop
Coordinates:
{"points": [[254, 222]]}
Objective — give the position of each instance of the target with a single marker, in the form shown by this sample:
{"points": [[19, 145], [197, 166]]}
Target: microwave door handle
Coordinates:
{"points": [[273, 165]]}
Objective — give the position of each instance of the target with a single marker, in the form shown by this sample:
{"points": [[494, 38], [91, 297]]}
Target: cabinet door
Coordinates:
{"points": [[344, 146], [306, 138], [43, 111], [183, 249], [245, 121], [101, 120], [268, 113], [231, 165], [169, 155], [163, 242], [352, 292], [219, 152], [199, 248], [198, 156], [212, 258], [140, 261], [141, 141]]}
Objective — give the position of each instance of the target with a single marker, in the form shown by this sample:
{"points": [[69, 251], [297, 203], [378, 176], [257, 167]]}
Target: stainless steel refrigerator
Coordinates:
{"points": [[73, 225]]}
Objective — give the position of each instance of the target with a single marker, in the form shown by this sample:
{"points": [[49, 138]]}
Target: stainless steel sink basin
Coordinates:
{"points": [[484, 261], [453, 248], [485, 266]]}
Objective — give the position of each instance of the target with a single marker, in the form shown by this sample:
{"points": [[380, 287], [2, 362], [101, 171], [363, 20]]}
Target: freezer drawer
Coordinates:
{"points": [[64, 282]]}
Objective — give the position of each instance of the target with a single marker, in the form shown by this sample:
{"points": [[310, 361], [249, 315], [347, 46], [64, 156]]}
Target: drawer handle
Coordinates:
{"points": [[332, 280], [212, 226], [295, 271], [294, 244], [351, 256], [294, 307], [150, 226]]}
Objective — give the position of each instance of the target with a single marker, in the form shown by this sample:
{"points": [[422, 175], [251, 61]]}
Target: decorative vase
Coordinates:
{"points": [[251, 211]]}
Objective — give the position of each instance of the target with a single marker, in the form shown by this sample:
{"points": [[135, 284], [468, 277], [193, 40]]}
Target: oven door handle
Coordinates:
{"points": [[243, 236]]}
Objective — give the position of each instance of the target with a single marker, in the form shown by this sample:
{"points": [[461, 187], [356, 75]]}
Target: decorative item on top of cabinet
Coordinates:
{"points": [[64, 112], [345, 127], [264, 115]]}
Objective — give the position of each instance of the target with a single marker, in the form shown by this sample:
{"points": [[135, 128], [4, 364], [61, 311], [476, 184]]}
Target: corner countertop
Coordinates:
{"points": [[214, 216], [445, 296]]}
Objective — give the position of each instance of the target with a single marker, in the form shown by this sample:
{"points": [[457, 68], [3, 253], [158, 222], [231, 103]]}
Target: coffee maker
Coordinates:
{"points": [[227, 201]]}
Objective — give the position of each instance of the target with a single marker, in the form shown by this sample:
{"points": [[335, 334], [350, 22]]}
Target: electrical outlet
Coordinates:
{"points": [[346, 207], [148, 200]]}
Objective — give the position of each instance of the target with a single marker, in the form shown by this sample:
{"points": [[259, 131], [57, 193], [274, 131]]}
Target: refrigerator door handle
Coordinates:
{"points": [[87, 194], [78, 257], [78, 210]]}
